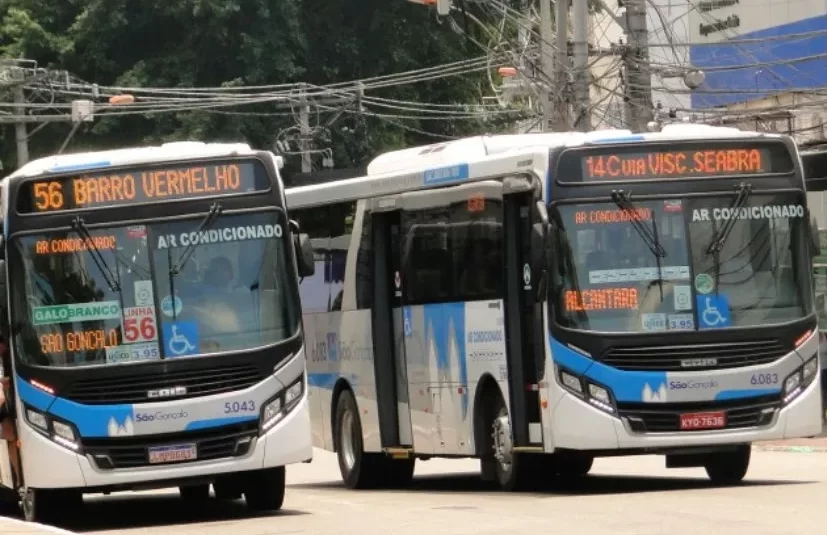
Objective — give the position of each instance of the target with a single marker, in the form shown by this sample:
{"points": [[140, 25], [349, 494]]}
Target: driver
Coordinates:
{"points": [[219, 273]]}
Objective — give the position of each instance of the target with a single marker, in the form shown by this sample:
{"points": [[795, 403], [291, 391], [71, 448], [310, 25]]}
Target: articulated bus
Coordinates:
{"points": [[155, 326], [540, 300]]}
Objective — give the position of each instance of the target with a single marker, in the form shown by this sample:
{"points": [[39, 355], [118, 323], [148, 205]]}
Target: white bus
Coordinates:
{"points": [[539, 300], [154, 324]]}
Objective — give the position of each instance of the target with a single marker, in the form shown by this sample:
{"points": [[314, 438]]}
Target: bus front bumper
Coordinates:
{"points": [[49, 465], [579, 426]]}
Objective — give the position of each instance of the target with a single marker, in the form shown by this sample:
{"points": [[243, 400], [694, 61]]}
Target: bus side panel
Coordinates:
{"points": [[318, 395], [449, 348], [485, 353], [344, 343]]}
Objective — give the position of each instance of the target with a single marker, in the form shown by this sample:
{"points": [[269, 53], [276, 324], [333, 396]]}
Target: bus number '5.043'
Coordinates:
{"points": [[239, 406]]}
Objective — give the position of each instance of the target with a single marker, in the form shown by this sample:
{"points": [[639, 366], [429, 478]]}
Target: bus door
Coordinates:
{"points": [[523, 316], [388, 327]]}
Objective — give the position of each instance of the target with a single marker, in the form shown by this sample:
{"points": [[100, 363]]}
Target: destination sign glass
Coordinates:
{"points": [[123, 187], [675, 161]]}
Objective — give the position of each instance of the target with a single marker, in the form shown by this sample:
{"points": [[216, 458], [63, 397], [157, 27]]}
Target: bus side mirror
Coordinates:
{"points": [[2, 283], [815, 237], [304, 256]]}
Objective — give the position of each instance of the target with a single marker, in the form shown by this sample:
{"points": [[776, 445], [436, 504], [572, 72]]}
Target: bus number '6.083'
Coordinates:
{"points": [[239, 406], [764, 379]]}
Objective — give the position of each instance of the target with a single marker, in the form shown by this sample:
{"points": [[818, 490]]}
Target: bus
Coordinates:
{"points": [[540, 300], [154, 325]]}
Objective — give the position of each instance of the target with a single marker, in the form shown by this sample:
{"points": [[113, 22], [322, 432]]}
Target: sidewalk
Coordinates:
{"points": [[12, 526]]}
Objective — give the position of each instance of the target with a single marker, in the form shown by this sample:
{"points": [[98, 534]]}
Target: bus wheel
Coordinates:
{"points": [[195, 493], [228, 490], [574, 465], [728, 467], [513, 468], [359, 469], [45, 505], [264, 489]]}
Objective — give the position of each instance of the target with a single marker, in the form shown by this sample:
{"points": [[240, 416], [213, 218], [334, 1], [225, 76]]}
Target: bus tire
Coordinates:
{"points": [[264, 489], [228, 490], [195, 493], [728, 467], [47, 505], [514, 469], [572, 466], [359, 470]]}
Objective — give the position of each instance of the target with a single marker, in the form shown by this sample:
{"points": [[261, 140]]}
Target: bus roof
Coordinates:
{"points": [[179, 150], [472, 148], [480, 158]]}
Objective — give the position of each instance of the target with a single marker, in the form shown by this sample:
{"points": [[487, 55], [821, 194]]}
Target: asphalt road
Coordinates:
{"points": [[784, 493]]}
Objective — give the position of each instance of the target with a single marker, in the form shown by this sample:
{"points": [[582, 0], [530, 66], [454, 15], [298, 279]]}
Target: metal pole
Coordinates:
{"points": [[550, 102], [20, 134], [561, 65], [580, 52], [304, 120], [639, 108]]}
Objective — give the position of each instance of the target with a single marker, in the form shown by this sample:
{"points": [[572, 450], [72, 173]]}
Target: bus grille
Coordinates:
{"points": [[135, 388], [674, 358], [133, 452], [665, 418]]}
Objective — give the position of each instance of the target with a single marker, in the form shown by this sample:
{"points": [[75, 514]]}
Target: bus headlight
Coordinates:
{"points": [[58, 431], [593, 393], [281, 404], [800, 379]]}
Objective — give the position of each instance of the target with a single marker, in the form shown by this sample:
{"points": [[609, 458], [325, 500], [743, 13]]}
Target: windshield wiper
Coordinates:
{"points": [[719, 238], [79, 226], [209, 219], [623, 201]]}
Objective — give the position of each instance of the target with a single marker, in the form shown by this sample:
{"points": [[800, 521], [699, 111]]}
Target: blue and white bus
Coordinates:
{"points": [[154, 324], [539, 300]]}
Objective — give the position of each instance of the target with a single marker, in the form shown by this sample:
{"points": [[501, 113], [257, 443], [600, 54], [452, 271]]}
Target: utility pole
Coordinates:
{"points": [[561, 63], [580, 51], [304, 124], [639, 110], [551, 104], [21, 136]]}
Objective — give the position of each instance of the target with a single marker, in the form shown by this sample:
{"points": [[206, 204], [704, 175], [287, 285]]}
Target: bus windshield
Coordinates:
{"points": [[111, 295], [678, 266]]}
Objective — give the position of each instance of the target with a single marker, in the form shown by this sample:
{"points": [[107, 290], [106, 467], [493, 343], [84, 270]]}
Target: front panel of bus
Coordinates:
{"points": [[681, 306], [155, 322]]}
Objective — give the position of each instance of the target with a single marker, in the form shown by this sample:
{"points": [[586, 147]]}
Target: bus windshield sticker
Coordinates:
{"points": [[167, 308], [713, 311], [681, 322], [134, 186], [641, 274], [181, 338], [704, 283], [102, 310], [139, 325], [654, 321], [133, 353], [683, 297], [143, 293], [228, 234], [136, 231], [749, 212]]}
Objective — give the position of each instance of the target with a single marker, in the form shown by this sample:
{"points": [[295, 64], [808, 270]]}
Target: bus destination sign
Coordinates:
{"points": [[631, 163], [136, 186]]}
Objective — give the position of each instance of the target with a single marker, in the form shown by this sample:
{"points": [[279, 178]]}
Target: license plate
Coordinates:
{"points": [[703, 420], [172, 454]]}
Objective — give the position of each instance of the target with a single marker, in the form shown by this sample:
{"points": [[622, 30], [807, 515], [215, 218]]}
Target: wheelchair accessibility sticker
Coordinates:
{"points": [[180, 338], [713, 311]]}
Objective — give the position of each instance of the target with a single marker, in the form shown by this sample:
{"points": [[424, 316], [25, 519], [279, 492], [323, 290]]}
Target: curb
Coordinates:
{"points": [[30, 527], [791, 448]]}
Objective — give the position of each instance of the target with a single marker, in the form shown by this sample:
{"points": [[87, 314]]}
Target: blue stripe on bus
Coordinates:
{"points": [[80, 166], [198, 425]]}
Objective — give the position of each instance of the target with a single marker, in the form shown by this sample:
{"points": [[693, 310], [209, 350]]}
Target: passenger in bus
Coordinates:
{"points": [[219, 274], [7, 428]]}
